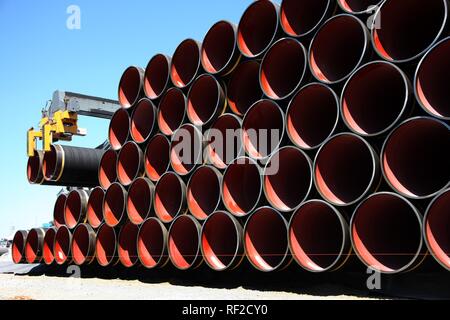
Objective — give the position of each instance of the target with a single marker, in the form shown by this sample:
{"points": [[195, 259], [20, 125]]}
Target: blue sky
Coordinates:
{"points": [[39, 54]]}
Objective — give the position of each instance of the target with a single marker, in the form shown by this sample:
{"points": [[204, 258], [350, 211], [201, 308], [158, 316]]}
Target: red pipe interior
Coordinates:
{"points": [[128, 163], [266, 253], [288, 179], [244, 88], [150, 244], [219, 241], [114, 205], [143, 121], [172, 111], [184, 242], [203, 192], [316, 236], [283, 68], [344, 169], [156, 76], [301, 17], [49, 163], [416, 158], [58, 210], [18, 247], [105, 245], [94, 210], [312, 116], [203, 100], [408, 27], [241, 187], [139, 201], [357, 6], [157, 157], [32, 246], [257, 28], [108, 174], [80, 245], [34, 167], [118, 129], [342, 39], [127, 247], [218, 47], [386, 232], [168, 197], [129, 87], [185, 63], [186, 149], [47, 251], [62, 245], [72, 211]]}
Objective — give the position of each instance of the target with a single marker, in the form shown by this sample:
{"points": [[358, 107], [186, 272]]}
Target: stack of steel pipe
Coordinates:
{"points": [[308, 133]]}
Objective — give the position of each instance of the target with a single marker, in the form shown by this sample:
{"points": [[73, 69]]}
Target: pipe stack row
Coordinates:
{"points": [[300, 134]]}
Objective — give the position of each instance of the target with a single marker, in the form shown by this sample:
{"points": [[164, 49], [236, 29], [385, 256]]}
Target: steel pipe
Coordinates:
{"points": [[157, 157], [140, 200], [346, 169], [83, 244], [359, 6], [415, 158], [35, 174], [258, 28], [34, 245], [94, 209], [75, 208], [107, 173], [408, 28], [185, 63], [267, 253], [130, 86], [106, 246], [220, 54], [18, 246], [130, 163], [143, 121], [49, 242], [157, 76], [312, 116], [184, 243], [186, 149], [338, 48], [119, 129], [152, 244], [58, 210], [431, 78], [435, 228], [318, 236], [170, 197], [171, 111], [375, 98], [127, 245], [62, 247], [221, 241], [114, 205], [386, 233], [204, 192], [287, 179]]}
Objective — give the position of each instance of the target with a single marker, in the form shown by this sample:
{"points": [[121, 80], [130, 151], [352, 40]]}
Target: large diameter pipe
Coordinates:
{"points": [[220, 54], [204, 192], [143, 121], [186, 149], [346, 169], [221, 241], [106, 246], [386, 233], [184, 243], [34, 245], [130, 163], [287, 179], [62, 247], [157, 157], [75, 208], [35, 174], [83, 244], [242, 186], [119, 129], [107, 172], [185, 63], [223, 141], [415, 158], [171, 111], [263, 129], [157, 76], [431, 78], [18, 246], [338, 48], [267, 253], [152, 244], [283, 68], [435, 228], [140, 200], [127, 245], [49, 242], [300, 18], [359, 6], [408, 28], [130, 86], [312, 116], [170, 197], [318, 236], [258, 28], [114, 205], [58, 210], [72, 166], [244, 88], [94, 209], [375, 98], [206, 100]]}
